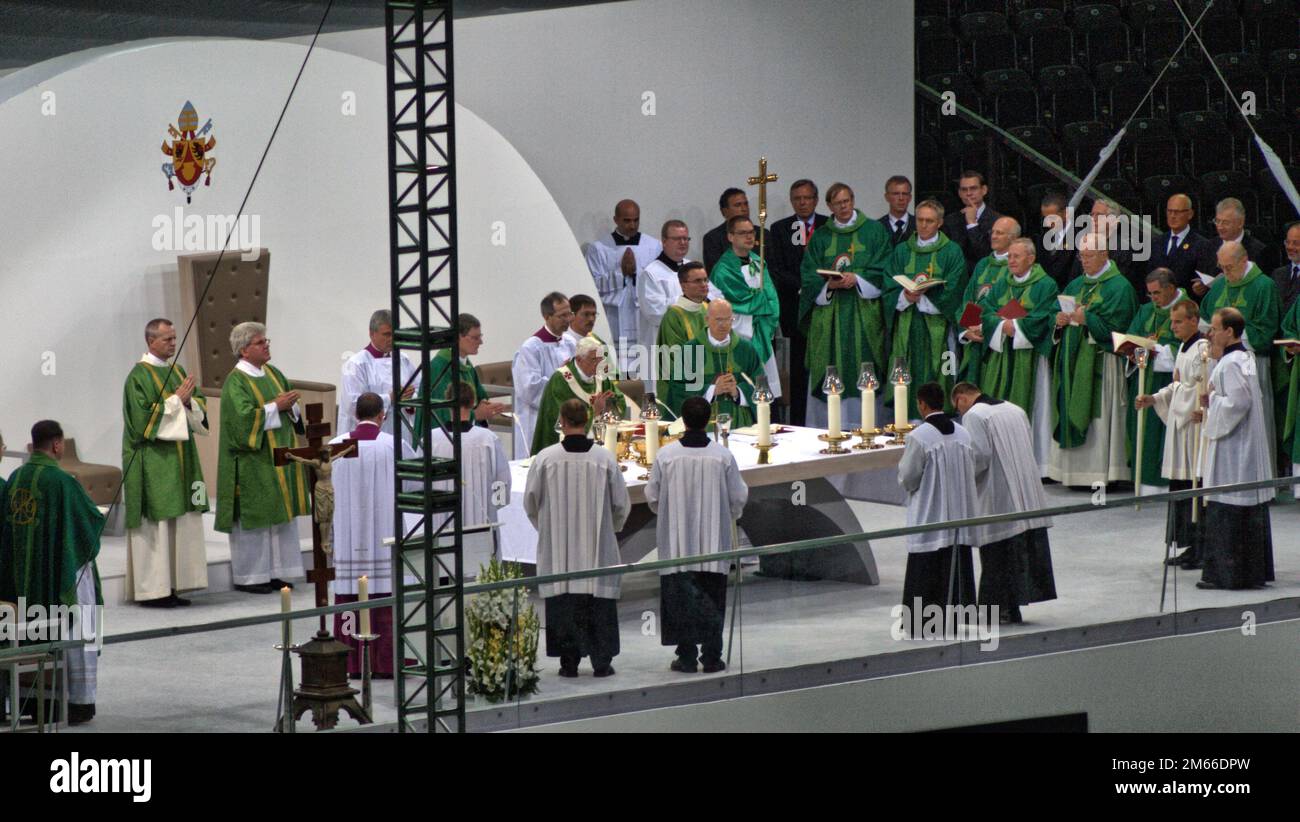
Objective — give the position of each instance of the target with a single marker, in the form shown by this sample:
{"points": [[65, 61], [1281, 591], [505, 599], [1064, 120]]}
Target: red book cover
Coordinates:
{"points": [[970, 318], [1013, 310]]}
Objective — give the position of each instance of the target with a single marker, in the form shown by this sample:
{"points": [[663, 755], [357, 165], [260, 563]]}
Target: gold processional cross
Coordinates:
{"points": [[761, 181]]}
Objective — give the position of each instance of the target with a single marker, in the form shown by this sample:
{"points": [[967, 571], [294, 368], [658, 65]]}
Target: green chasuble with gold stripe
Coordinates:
{"points": [[49, 530], [849, 330], [736, 357], [1155, 322], [163, 478], [919, 337], [987, 272], [1109, 304], [680, 329], [251, 490], [1009, 374], [568, 383]]}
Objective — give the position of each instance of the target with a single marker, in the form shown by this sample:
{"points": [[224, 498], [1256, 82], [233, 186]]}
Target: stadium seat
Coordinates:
{"points": [[1219, 184], [1205, 142], [937, 48], [1271, 24], [1119, 190], [1275, 130], [1274, 205], [1284, 64], [1160, 30], [1221, 29], [989, 41], [1010, 98], [1121, 86], [1101, 34], [1149, 147], [1184, 88], [1157, 189], [1066, 96], [967, 148], [1081, 143], [1244, 72], [1043, 39]]}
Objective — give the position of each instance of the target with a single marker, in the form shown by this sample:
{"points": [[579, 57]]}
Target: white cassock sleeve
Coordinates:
{"points": [[652, 486], [1230, 403], [530, 374], [737, 490], [981, 445], [923, 305], [352, 385], [1018, 341], [911, 468], [533, 492], [619, 502], [196, 418], [652, 297], [866, 291], [1164, 359], [708, 396]]}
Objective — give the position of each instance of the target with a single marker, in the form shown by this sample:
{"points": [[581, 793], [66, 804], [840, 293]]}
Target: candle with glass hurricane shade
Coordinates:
{"points": [[867, 385], [833, 387]]}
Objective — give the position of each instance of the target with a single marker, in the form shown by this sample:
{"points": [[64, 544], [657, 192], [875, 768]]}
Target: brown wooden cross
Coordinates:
{"points": [[317, 433]]}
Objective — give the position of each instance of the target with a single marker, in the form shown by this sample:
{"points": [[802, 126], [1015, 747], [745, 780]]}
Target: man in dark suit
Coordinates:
{"points": [[1230, 225], [1287, 276], [788, 239], [899, 223], [732, 203], [1055, 261], [1181, 250], [970, 226]]}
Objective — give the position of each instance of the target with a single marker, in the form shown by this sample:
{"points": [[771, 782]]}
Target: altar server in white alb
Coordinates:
{"points": [[363, 519], [658, 288], [1015, 557], [1177, 404], [938, 473], [577, 500], [696, 490], [535, 362], [371, 369], [485, 480], [1238, 532], [616, 263]]}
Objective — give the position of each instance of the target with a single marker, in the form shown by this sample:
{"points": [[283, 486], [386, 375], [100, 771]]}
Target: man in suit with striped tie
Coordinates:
{"points": [[899, 223]]}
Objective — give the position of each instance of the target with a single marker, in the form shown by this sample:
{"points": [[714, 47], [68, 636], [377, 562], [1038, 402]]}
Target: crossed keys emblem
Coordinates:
{"points": [[22, 507]]}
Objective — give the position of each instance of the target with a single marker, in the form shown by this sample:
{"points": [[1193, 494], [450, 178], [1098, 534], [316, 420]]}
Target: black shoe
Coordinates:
{"points": [[161, 602], [79, 714], [714, 666], [569, 673], [181, 601], [681, 666], [603, 671], [277, 584], [257, 588], [1208, 586], [1178, 560], [1191, 565]]}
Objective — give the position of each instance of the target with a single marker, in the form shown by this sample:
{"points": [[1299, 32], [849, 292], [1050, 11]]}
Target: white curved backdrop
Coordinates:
{"points": [[79, 274]]}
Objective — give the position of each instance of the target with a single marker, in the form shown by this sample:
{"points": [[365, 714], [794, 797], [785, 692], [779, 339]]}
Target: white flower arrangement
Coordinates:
{"points": [[495, 657]]}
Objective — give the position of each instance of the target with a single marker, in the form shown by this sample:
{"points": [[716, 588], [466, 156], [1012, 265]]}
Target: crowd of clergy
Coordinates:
{"points": [[1018, 376]]}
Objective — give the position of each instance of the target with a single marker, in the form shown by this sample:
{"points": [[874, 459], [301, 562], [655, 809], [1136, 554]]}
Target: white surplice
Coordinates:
{"points": [[534, 363], [363, 515], [938, 473], [1174, 404], [485, 488], [577, 501], [697, 494], [363, 372], [1006, 474], [1236, 437], [618, 292]]}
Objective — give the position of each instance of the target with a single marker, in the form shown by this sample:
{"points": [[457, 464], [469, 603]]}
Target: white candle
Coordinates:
{"points": [[363, 595], [611, 437], [764, 423], [868, 409], [833, 414], [900, 404], [651, 440], [286, 605]]}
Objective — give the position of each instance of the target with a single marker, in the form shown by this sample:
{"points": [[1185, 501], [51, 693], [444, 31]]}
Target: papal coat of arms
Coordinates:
{"points": [[190, 153]]}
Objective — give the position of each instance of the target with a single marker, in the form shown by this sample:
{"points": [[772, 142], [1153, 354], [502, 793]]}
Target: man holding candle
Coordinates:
{"points": [[1017, 363], [938, 473], [920, 320], [583, 378], [1088, 390], [577, 500], [1015, 557], [730, 369], [696, 490], [842, 316]]}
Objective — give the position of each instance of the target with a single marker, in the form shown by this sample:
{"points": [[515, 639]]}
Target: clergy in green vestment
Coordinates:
{"points": [[843, 317], [1153, 320], [49, 540], [163, 487], [1245, 287], [469, 338], [257, 500], [747, 284], [729, 371], [920, 321], [988, 270], [1290, 389], [584, 378], [682, 326], [1088, 387]]}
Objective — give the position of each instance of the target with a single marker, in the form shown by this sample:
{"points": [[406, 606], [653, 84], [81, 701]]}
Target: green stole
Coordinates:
{"points": [[160, 476], [922, 343], [1076, 377], [987, 272], [1009, 374]]}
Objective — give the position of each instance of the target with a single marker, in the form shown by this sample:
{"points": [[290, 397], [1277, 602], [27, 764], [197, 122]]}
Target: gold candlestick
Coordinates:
{"points": [[868, 439], [899, 432]]}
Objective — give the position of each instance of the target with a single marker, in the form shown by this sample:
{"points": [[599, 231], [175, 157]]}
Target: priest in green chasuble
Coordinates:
{"points": [[921, 320], [164, 491], [1245, 287], [988, 271], [1153, 321], [257, 501], [1017, 364], [49, 540], [583, 377], [1289, 391], [725, 371], [1088, 389], [747, 284], [842, 316]]}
